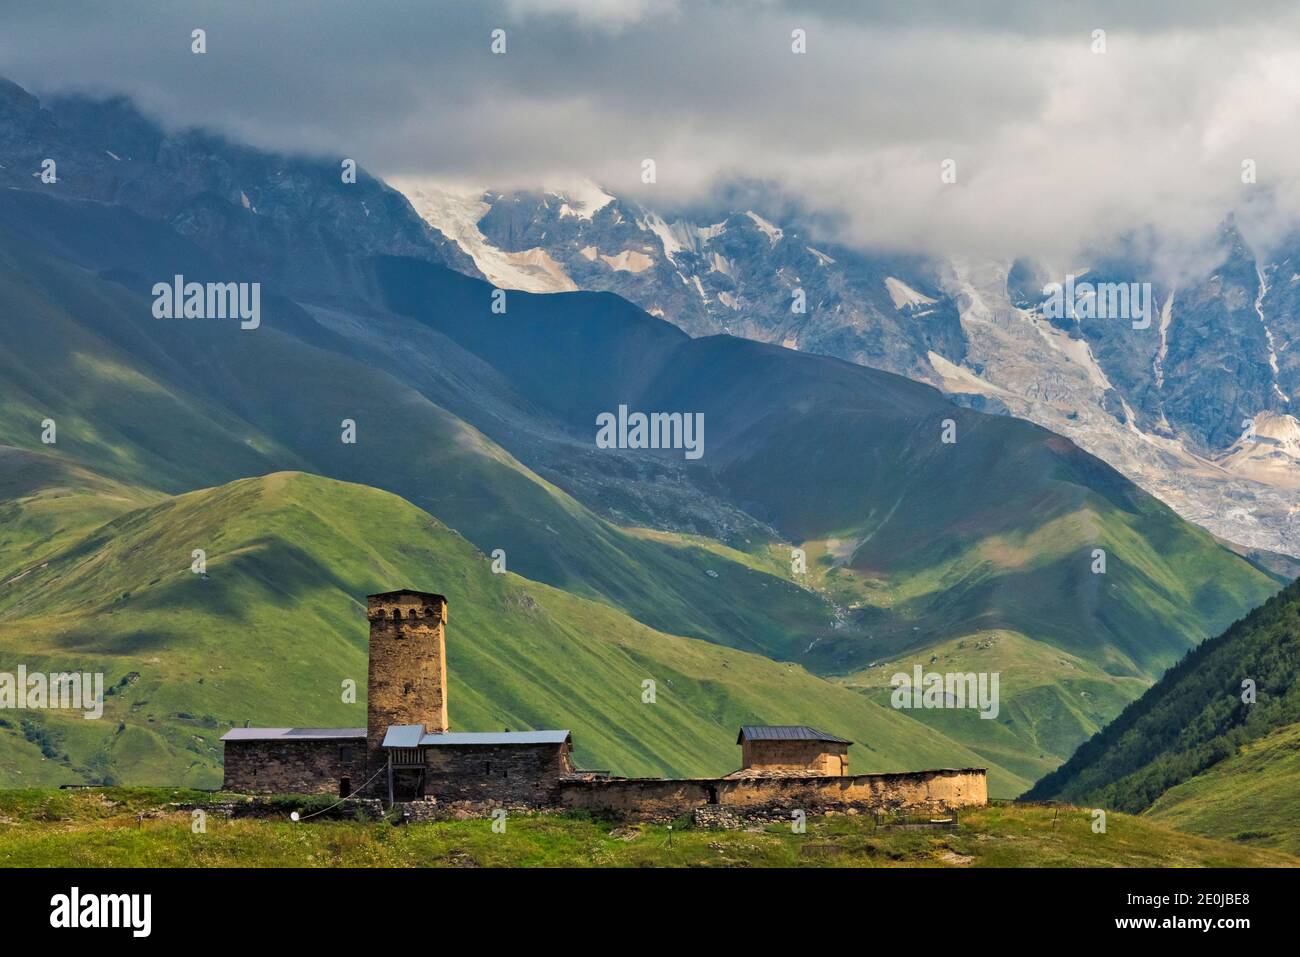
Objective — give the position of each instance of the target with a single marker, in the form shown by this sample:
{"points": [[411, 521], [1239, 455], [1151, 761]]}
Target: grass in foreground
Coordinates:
{"points": [[139, 827]]}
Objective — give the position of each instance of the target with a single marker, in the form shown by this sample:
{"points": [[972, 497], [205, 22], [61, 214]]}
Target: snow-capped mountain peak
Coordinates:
{"points": [[1150, 401], [456, 212]]}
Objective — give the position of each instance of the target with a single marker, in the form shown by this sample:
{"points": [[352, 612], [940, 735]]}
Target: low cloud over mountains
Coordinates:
{"points": [[1058, 146]]}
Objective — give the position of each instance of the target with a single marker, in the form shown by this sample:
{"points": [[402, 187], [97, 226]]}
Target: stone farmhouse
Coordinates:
{"points": [[408, 752]]}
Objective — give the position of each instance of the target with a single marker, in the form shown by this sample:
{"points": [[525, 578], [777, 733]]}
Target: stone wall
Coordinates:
{"points": [[824, 756], [537, 776], [517, 774], [281, 766], [638, 798], [655, 799], [909, 789]]}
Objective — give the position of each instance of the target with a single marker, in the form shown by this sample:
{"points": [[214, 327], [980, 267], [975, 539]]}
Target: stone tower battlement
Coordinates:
{"points": [[408, 604], [407, 679]]}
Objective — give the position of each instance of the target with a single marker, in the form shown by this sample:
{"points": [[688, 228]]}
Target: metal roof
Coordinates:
{"points": [[291, 734], [403, 735], [399, 736], [454, 738], [785, 732]]}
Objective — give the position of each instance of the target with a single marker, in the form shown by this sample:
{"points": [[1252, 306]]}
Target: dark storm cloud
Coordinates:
{"points": [[1054, 144]]}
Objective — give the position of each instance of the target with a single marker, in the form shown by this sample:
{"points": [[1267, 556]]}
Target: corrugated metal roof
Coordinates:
{"points": [[293, 734], [453, 738], [399, 736], [785, 732], [403, 735]]}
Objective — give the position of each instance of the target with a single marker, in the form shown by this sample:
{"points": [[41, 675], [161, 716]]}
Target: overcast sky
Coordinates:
{"points": [[1055, 146]]}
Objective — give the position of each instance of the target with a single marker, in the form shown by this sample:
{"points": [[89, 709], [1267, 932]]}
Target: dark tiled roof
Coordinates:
{"points": [[785, 732]]}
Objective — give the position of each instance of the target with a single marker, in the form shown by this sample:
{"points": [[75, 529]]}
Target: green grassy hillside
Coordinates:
{"points": [[155, 434], [46, 503], [1252, 797], [79, 350], [278, 624], [1049, 700], [143, 828], [175, 406], [485, 421], [980, 532], [1200, 715], [995, 529]]}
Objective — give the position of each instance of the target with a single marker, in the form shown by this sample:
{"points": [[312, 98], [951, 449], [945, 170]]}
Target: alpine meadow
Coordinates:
{"points": [[584, 435]]}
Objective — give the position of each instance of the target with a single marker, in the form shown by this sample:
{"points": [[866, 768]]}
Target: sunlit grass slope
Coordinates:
{"points": [[276, 626], [1252, 797]]}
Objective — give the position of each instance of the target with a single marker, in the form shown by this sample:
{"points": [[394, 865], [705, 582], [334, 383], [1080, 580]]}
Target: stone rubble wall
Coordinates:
{"points": [[824, 756], [280, 766], [519, 775], [659, 800], [471, 781]]}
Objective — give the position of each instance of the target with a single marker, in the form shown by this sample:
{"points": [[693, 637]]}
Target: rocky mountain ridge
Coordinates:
{"points": [[1194, 402]]}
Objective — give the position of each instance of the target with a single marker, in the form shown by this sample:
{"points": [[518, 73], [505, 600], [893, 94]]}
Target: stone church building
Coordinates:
{"points": [[407, 750]]}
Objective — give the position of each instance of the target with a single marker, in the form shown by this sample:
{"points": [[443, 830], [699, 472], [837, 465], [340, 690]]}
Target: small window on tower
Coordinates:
{"points": [[345, 755], [487, 767], [397, 614], [408, 688]]}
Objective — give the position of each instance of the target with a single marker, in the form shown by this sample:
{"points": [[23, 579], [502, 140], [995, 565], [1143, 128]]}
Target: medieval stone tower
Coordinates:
{"points": [[407, 682]]}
